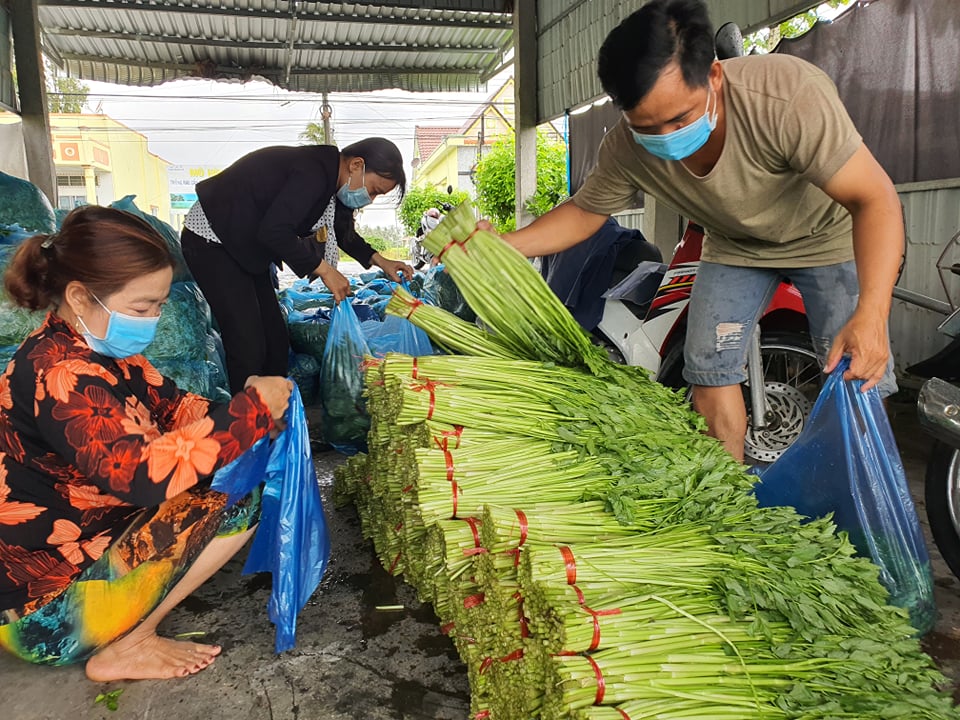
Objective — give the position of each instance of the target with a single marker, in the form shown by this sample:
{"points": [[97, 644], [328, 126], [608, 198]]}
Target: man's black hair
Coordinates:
{"points": [[638, 49]]}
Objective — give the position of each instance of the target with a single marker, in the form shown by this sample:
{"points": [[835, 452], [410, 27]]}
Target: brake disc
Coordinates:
{"points": [[789, 408]]}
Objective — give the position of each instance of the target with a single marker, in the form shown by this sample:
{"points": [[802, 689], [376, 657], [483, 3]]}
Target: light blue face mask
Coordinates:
{"points": [[358, 198], [126, 334], [684, 142]]}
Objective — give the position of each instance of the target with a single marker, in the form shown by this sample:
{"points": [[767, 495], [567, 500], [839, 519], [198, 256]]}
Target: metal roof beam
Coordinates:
{"points": [[215, 70], [261, 45], [483, 21]]}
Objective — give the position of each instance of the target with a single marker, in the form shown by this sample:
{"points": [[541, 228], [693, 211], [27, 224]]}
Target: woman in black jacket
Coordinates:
{"points": [[290, 205]]}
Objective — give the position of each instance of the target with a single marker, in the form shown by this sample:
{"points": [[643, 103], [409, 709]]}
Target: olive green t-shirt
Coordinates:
{"points": [[787, 133]]}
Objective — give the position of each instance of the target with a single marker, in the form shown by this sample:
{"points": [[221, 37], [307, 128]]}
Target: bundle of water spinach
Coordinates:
{"points": [[589, 550]]}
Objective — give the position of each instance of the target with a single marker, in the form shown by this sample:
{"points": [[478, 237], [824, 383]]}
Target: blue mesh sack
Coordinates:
{"points": [[846, 462]]}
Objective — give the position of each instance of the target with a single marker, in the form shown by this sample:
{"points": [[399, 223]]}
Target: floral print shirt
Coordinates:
{"points": [[86, 441]]}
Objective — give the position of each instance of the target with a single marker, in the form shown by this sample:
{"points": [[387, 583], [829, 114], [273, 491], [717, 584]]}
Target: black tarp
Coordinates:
{"points": [[896, 64]]}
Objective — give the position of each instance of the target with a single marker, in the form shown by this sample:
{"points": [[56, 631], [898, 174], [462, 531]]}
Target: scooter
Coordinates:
{"points": [[644, 323], [938, 409], [430, 218]]}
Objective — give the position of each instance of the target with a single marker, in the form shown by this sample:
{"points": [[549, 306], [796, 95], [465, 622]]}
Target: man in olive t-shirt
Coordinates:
{"points": [[761, 152]]}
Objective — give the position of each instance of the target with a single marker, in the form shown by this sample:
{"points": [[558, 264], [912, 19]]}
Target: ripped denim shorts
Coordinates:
{"points": [[727, 301]]}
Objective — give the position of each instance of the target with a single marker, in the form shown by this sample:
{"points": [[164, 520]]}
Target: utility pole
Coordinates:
{"points": [[326, 112]]}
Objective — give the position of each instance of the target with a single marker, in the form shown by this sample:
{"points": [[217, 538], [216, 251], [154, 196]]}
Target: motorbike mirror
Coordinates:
{"points": [[938, 409], [449, 189], [728, 41]]}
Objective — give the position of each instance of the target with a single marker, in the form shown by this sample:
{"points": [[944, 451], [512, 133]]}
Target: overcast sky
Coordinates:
{"points": [[203, 122]]}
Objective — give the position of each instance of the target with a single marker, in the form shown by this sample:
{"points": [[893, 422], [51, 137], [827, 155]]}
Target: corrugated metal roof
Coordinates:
{"points": [[416, 45], [570, 32]]}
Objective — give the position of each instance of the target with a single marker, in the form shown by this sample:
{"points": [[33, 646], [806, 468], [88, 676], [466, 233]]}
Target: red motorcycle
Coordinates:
{"points": [[644, 323]]}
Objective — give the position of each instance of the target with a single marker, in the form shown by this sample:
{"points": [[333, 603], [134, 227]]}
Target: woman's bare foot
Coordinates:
{"points": [[150, 657]]}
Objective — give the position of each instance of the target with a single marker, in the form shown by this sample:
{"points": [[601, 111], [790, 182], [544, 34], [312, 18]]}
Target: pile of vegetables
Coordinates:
{"points": [[589, 550]]}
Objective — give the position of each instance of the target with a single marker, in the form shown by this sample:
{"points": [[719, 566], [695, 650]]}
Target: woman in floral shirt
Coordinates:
{"points": [[107, 521]]}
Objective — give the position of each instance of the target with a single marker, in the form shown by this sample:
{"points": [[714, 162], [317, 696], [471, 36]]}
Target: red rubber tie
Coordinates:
{"points": [[415, 368], [431, 386], [414, 304], [445, 629], [472, 601], [484, 715], [597, 614], [446, 247], [455, 489], [524, 527], [601, 683], [473, 522], [448, 459], [515, 655], [624, 714], [571, 564], [580, 598], [393, 565], [433, 401]]}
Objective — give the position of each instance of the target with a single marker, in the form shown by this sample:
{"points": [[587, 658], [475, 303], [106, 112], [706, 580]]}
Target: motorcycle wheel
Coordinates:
{"points": [[792, 379], [942, 498]]}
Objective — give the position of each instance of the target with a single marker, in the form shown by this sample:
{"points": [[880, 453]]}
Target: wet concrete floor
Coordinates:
{"points": [[354, 659]]}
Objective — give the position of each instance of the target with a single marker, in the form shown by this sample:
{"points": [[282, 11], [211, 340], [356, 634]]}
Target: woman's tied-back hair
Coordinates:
{"points": [[101, 247], [638, 49], [382, 157]]}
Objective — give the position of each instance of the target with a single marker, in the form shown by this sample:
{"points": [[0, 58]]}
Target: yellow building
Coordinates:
{"points": [[445, 156], [100, 160]]}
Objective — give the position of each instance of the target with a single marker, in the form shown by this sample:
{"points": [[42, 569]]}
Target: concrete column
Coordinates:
{"points": [[90, 185], [525, 99], [25, 24], [661, 225]]}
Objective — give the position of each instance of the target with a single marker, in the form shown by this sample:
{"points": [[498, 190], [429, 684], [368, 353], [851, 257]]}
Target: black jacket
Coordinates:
{"points": [[263, 206]]}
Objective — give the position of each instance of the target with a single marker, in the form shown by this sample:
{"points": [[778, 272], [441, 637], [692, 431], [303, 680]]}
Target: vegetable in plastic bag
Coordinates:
{"points": [[184, 323], [24, 204], [439, 289], [308, 332], [305, 370], [345, 419], [180, 273], [846, 462]]}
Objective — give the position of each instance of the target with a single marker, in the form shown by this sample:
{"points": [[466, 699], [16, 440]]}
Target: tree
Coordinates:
{"points": [[65, 94], [495, 179], [766, 40], [316, 135], [420, 199]]}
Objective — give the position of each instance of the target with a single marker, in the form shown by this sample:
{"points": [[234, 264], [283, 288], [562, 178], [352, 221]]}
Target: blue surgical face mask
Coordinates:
{"points": [[684, 142], [126, 334], [358, 198]]}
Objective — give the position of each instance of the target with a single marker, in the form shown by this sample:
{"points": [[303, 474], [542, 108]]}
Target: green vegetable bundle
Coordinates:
{"points": [[590, 551]]}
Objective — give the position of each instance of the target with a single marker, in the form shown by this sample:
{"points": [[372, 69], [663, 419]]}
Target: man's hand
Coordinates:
{"points": [[336, 283], [393, 268], [864, 339]]}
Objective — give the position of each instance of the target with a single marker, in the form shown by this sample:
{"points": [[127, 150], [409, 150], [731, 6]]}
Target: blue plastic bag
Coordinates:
{"points": [[291, 542], [396, 334], [846, 462], [345, 419]]}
